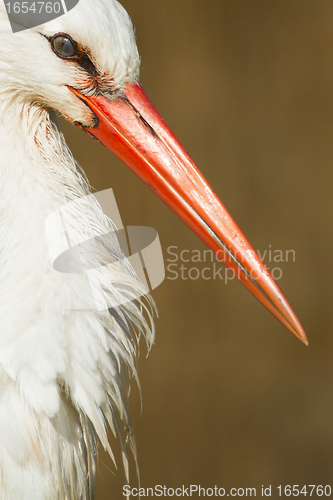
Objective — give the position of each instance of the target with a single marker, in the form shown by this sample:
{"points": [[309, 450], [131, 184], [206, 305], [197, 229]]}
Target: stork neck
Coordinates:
{"points": [[36, 166], [37, 175]]}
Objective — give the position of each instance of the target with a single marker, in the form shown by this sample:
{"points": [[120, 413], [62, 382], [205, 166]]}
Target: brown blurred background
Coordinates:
{"points": [[229, 396]]}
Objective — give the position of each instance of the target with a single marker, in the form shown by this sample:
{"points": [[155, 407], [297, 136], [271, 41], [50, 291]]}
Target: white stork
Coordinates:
{"points": [[65, 370]]}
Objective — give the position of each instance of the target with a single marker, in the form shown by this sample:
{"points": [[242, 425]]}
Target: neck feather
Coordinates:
{"points": [[68, 367]]}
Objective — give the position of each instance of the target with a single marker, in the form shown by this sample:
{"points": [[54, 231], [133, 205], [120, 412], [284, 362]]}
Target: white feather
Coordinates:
{"points": [[65, 368]]}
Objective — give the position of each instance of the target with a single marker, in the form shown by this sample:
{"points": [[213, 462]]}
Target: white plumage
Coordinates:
{"points": [[64, 371]]}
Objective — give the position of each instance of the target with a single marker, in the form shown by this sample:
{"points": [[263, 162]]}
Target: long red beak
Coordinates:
{"points": [[132, 129]]}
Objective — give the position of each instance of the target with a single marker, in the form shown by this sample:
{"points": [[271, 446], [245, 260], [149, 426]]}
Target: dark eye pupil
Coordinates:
{"points": [[64, 47]]}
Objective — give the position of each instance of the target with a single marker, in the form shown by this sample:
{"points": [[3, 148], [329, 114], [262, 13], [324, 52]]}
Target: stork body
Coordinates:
{"points": [[61, 366], [65, 368]]}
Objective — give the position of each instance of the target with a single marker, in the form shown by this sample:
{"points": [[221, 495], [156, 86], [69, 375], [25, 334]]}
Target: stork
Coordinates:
{"points": [[65, 369]]}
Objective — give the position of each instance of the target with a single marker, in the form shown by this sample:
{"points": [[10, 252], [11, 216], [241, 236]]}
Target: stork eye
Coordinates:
{"points": [[64, 47]]}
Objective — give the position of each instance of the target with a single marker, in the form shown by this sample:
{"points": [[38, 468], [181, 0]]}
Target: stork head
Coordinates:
{"points": [[91, 48], [85, 65]]}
